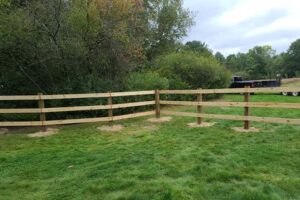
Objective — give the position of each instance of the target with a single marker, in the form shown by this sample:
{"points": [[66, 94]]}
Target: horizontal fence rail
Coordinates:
{"points": [[247, 91], [77, 108], [231, 91], [74, 96], [76, 121], [41, 110], [235, 117], [233, 104], [156, 103]]}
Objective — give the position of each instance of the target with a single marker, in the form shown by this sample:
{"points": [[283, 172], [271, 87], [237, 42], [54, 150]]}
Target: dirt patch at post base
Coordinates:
{"points": [[202, 125], [242, 130], [113, 128], [160, 120], [48, 132], [3, 131]]}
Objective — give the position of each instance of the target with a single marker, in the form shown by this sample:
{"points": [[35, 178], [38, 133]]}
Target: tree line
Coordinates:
{"points": [[83, 46], [262, 62]]}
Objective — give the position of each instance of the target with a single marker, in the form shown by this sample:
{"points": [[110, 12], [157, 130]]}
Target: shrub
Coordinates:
{"points": [[187, 70], [139, 81], [146, 81]]}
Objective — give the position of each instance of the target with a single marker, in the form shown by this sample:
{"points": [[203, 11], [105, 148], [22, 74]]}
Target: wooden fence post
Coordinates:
{"points": [[157, 104], [110, 111], [199, 108], [246, 109], [41, 103]]}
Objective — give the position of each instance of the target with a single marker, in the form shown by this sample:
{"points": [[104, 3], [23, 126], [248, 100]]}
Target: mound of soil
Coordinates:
{"points": [[113, 128], [160, 120], [242, 130], [48, 132], [3, 131], [202, 125]]}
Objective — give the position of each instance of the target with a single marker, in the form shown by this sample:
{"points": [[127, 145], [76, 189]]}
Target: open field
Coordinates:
{"points": [[157, 161], [292, 83]]}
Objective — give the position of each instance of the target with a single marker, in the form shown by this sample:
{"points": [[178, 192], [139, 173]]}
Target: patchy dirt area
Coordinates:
{"points": [[242, 130], [160, 120], [3, 131], [112, 128], [48, 132], [202, 125]]}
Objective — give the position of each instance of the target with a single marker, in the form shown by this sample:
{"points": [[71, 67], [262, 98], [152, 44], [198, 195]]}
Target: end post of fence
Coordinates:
{"points": [[246, 109]]}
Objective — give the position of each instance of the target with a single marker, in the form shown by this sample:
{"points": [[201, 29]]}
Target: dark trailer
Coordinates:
{"points": [[238, 82]]}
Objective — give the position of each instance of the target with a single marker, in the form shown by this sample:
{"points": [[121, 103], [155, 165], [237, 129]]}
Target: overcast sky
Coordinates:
{"points": [[232, 26]]}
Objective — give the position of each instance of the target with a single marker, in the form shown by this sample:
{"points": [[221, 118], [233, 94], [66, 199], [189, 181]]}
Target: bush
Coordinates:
{"points": [[146, 81], [140, 81], [187, 70]]}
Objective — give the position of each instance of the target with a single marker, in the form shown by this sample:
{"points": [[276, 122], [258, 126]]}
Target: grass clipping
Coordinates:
{"points": [[48, 132], [202, 125]]}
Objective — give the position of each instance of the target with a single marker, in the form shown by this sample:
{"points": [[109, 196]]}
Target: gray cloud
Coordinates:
{"points": [[230, 26]]}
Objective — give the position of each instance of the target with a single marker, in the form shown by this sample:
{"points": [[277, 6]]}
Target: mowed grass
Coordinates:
{"points": [[157, 161]]}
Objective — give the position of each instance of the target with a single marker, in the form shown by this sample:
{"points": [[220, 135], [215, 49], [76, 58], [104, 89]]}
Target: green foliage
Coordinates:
{"points": [[257, 63], [83, 46], [4, 3], [279, 63], [220, 57], [198, 47], [190, 70], [261, 62], [292, 60], [261, 66], [231, 63], [168, 21], [146, 81]]}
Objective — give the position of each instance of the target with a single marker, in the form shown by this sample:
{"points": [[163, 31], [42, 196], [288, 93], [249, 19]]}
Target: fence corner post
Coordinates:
{"points": [[41, 103], [157, 104], [110, 110], [199, 107], [246, 109]]}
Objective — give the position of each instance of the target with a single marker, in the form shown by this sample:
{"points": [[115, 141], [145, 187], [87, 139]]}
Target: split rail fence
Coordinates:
{"points": [[156, 102], [42, 111], [247, 104]]}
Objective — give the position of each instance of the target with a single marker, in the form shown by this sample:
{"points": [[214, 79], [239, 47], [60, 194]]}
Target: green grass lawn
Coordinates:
{"points": [[157, 161]]}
